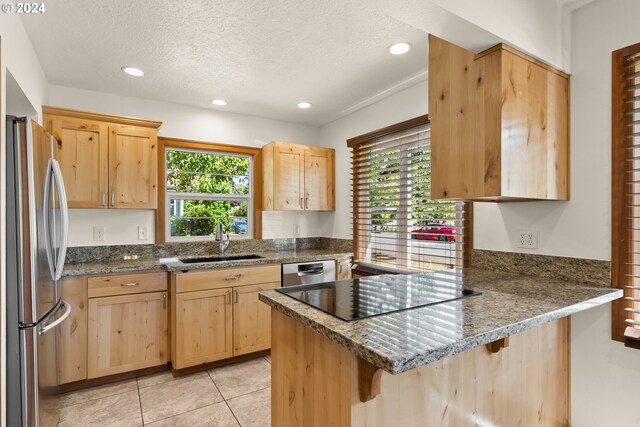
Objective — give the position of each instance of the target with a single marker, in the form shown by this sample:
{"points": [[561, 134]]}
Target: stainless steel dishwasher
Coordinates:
{"points": [[307, 273]]}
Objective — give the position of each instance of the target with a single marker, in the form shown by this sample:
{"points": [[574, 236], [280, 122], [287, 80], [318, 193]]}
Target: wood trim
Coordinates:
{"points": [[100, 117], [255, 152], [498, 345], [538, 62], [369, 377], [398, 127], [619, 241], [467, 232]]}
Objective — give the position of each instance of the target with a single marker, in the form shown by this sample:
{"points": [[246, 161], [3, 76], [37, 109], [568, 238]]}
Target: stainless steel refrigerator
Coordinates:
{"points": [[37, 226]]}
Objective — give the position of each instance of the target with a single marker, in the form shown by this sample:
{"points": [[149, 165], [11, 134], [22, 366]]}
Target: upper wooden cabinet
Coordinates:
{"points": [[499, 125], [106, 161], [298, 177]]}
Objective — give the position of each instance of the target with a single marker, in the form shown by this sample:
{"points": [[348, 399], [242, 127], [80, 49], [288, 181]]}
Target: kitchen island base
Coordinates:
{"points": [[524, 381]]}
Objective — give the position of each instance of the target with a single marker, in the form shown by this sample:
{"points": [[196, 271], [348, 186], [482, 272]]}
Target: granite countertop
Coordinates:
{"points": [[173, 264], [398, 342]]}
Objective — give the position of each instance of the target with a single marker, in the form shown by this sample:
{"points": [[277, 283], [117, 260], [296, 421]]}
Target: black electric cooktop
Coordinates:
{"points": [[372, 296]]}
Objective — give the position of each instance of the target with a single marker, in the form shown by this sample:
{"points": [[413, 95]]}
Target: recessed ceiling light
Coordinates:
{"points": [[219, 102], [399, 48], [133, 71], [304, 105]]}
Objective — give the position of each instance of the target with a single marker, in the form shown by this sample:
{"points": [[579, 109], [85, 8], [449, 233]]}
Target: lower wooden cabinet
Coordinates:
{"points": [[71, 335], [127, 332], [251, 319], [204, 324], [343, 268], [220, 321]]}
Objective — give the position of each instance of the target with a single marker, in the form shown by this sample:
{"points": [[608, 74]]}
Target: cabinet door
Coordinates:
{"points": [[288, 177], [81, 148], [319, 188], [133, 158], [71, 335], [343, 269], [203, 328], [251, 319], [126, 333]]}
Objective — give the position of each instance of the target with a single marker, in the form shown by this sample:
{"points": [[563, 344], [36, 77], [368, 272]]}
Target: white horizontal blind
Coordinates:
{"points": [[395, 222]]}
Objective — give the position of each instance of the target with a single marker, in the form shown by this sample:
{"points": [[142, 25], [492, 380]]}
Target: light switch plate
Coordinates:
{"points": [[98, 233], [143, 232]]}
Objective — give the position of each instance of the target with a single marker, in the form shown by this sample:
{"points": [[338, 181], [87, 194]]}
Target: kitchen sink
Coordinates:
{"points": [[219, 258]]}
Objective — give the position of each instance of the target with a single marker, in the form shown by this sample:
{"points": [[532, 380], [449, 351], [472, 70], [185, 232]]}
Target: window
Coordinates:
{"points": [[625, 209], [396, 223], [205, 184]]}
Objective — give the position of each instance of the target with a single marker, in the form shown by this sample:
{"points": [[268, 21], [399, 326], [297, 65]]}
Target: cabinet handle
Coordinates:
{"points": [[236, 299], [164, 300], [234, 277], [113, 199], [130, 285], [306, 202], [228, 297], [102, 198], [301, 205]]}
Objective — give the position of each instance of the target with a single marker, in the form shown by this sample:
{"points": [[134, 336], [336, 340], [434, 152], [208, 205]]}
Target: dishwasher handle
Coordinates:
{"points": [[311, 272]]}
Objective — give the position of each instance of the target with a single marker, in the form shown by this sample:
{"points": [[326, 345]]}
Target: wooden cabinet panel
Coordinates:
{"points": [[133, 165], [499, 125], [251, 319], [71, 335], [297, 177], [126, 333], [319, 188], [288, 177], [203, 324], [81, 148], [226, 277], [343, 269], [124, 284]]}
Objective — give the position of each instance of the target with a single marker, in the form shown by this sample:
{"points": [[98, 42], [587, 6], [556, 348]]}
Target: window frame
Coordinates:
{"points": [[254, 207], [620, 243], [467, 215]]}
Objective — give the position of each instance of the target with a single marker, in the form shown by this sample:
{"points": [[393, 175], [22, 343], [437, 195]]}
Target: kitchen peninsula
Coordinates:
{"points": [[499, 358]]}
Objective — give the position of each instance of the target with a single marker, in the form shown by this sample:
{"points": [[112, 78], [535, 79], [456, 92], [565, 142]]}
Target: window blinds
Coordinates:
{"points": [[395, 222], [626, 192]]}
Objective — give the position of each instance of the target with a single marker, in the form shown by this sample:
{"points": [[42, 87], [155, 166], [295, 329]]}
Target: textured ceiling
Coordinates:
{"points": [[263, 57]]}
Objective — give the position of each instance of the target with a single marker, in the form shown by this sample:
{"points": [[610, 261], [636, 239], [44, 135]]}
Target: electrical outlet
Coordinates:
{"points": [[528, 239], [143, 232], [98, 233], [296, 229]]}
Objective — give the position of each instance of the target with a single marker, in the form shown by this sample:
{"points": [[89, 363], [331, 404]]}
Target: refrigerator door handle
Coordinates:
{"points": [[46, 220], [44, 329], [64, 219]]}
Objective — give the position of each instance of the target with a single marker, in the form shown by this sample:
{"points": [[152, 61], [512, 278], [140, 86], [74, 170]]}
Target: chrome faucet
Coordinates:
{"points": [[220, 238]]}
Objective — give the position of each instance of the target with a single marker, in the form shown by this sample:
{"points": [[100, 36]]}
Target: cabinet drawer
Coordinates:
{"points": [[124, 284], [227, 277]]}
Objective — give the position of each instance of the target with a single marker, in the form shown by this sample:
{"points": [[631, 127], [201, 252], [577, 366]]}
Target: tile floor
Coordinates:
{"points": [[237, 395]]}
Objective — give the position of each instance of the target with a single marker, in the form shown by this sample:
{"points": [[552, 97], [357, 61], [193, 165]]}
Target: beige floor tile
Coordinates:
{"points": [[120, 410], [218, 415], [253, 409], [155, 379], [242, 378], [178, 396], [86, 395]]}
